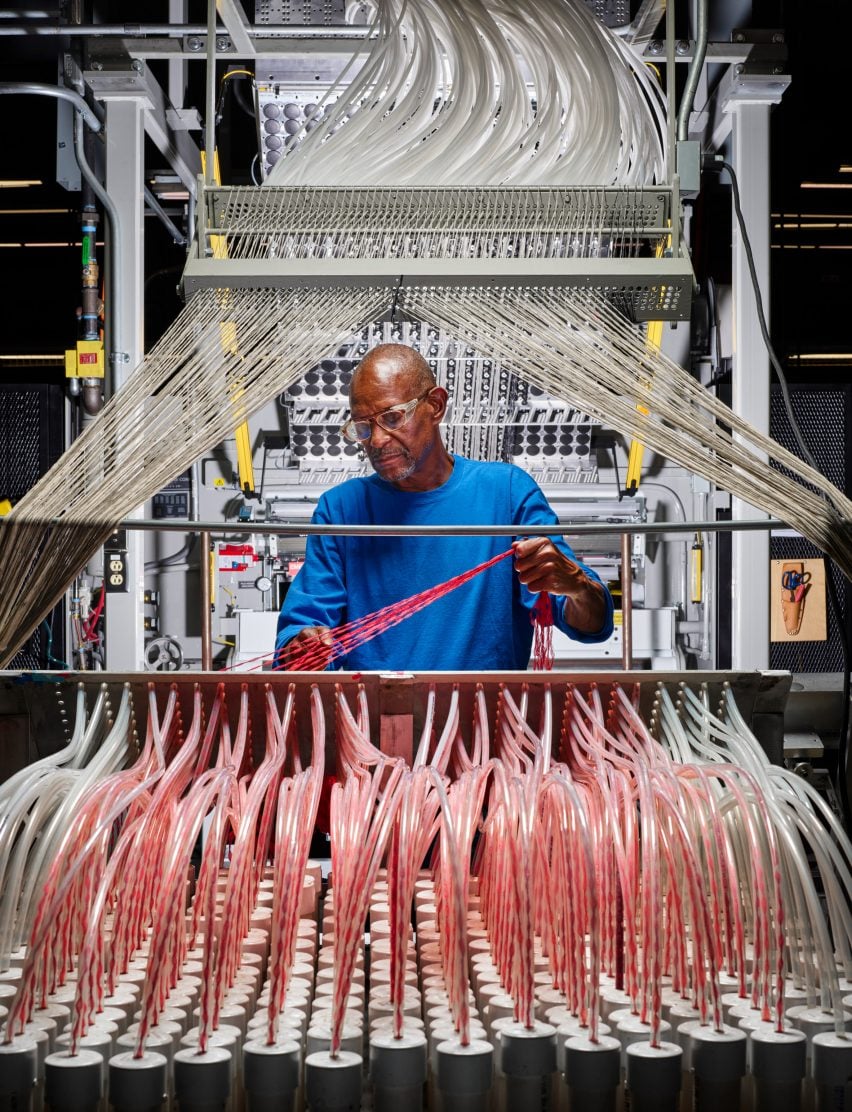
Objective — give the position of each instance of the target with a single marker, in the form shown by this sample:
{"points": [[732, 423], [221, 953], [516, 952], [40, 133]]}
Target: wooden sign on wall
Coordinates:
{"points": [[798, 600]]}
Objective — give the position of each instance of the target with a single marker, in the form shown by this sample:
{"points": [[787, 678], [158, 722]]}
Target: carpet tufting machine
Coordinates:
{"points": [[623, 882]]}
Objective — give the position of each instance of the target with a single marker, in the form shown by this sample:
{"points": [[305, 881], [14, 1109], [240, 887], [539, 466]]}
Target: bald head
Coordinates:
{"points": [[405, 449], [394, 367]]}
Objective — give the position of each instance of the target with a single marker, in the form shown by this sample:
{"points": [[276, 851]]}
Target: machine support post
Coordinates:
{"points": [[206, 617], [125, 179], [626, 602], [751, 381]]}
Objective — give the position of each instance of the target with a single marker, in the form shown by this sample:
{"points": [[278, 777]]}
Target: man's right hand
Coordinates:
{"points": [[316, 640]]}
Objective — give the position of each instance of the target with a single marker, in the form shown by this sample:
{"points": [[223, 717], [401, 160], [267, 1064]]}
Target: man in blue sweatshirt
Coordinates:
{"points": [[396, 412]]}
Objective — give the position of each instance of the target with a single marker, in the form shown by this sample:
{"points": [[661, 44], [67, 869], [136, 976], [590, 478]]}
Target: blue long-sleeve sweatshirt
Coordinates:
{"points": [[484, 624]]}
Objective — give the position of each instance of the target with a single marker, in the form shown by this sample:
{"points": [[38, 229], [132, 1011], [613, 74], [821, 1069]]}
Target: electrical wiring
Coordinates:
{"points": [[48, 649], [178, 557], [240, 73], [90, 624]]}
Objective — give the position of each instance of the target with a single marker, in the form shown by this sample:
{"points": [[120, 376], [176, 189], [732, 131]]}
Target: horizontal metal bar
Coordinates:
{"points": [[446, 271], [284, 31], [304, 529], [506, 231], [659, 289]]}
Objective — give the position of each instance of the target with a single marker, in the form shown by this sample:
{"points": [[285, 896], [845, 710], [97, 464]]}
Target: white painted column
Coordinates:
{"points": [[751, 378], [125, 175]]}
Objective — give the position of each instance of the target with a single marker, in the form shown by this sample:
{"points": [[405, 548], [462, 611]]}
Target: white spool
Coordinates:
{"points": [[718, 1063], [527, 1059], [137, 1084], [832, 1069], [333, 1084], [463, 1074], [437, 1033], [318, 1038], [778, 1066], [654, 1076], [74, 1084], [19, 1071], [159, 1041], [592, 1071], [815, 1021], [398, 1070], [59, 1013], [383, 1025], [630, 1030], [100, 1041], [570, 1028], [271, 1074], [612, 999], [203, 1081]]}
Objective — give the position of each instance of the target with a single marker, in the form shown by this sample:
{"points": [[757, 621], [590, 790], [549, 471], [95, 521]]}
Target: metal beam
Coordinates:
{"points": [[135, 82], [573, 529], [177, 65], [232, 15], [125, 177], [751, 377]]}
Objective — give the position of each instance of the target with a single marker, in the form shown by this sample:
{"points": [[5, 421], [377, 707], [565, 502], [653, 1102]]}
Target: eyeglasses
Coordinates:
{"points": [[390, 420]]}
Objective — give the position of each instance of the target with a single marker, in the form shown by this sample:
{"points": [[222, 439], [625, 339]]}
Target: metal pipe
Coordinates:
{"points": [[210, 115], [671, 110], [206, 583], [177, 30], [626, 602], [693, 74], [58, 92], [92, 118], [113, 301], [158, 210], [306, 529]]}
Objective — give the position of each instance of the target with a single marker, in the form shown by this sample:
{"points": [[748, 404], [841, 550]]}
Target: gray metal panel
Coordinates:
{"points": [[300, 13], [597, 238], [761, 696], [652, 289], [822, 417]]}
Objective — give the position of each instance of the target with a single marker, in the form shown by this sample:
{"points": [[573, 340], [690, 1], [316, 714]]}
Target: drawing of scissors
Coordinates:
{"points": [[796, 582]]}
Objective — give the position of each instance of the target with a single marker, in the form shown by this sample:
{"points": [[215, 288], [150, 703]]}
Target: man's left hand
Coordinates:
{"points": [[542, 567]]}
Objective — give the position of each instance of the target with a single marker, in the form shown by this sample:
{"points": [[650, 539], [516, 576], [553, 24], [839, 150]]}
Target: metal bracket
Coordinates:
{"points": [[120, 78]]}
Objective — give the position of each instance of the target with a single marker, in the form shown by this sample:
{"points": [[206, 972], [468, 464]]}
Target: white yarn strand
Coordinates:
{"points": [[227, 354]]}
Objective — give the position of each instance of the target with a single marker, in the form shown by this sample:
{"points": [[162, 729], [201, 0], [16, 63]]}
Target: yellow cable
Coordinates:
{"points": [[235, 73], [653, 341], [228, 338]]}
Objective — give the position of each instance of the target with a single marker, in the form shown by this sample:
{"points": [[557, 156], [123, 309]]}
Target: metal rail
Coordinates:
{"points": [[306, 529]]}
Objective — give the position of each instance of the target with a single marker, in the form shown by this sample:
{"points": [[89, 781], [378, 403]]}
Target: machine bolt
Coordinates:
{"points": [[739, 37], [738, 69], [136, 64], [655, 47], [777, 69], [778, 36], [194, 43], [682, 46], [223, 43], [97, 65]]}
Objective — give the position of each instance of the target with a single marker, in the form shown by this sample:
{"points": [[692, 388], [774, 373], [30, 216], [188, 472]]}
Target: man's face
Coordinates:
{"points": [[395, 454]]}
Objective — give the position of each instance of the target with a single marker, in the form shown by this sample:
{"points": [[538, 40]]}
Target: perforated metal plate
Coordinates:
{"points": [[492, 413], [822, 417], [605, 239], [612, 13], [30, 442], [300, 13]]}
